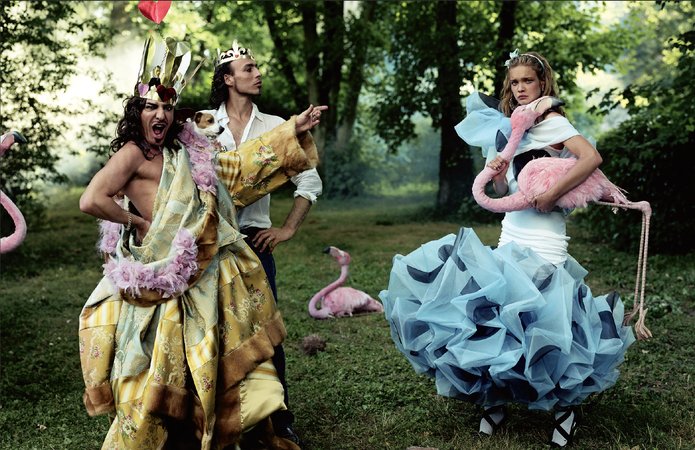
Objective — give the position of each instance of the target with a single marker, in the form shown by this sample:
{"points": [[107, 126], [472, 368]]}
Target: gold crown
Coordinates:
{"points": [[234, 53], [163, 69]]}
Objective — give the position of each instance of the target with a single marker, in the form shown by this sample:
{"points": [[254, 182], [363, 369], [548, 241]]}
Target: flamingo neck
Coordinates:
{"points": [[487, 173], [11, 242], [334, 285], [6, 141], [512, 144]]}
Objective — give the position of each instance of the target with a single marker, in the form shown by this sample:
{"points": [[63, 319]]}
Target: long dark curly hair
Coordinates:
{"points": [[219, 91], [129, 128]]}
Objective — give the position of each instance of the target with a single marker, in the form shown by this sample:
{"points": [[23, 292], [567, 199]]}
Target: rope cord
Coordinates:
{"points": [[641, 329]]}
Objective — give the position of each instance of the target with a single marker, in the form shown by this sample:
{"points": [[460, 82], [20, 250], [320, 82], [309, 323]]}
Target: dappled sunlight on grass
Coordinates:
{"points": [[360, 392], [422, 190]]}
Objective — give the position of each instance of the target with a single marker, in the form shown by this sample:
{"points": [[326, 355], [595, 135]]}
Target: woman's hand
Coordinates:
{"points": [[544, 202], [498, 164], [499, 181], [309, 118]]}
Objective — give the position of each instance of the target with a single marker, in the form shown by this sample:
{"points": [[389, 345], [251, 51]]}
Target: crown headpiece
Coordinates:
{"points": [[164, 69], [234, 53]]}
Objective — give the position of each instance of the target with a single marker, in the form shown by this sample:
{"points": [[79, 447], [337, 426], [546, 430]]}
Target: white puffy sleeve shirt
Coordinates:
{"points": [[308, 183]]}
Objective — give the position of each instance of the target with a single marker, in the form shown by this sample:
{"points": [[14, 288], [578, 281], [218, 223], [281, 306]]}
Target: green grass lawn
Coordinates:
{"points": [[360, 393]]}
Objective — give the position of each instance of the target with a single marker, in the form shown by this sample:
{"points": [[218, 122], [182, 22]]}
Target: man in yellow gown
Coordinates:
{"points": [[177, 337]]}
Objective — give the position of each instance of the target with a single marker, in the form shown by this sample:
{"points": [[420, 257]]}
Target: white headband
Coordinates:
{"points": [[515, 54]]}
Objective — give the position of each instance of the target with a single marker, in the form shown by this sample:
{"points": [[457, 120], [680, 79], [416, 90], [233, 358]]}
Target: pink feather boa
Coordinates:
{"points": [[110, 233], [172, 279], [202, 155]]}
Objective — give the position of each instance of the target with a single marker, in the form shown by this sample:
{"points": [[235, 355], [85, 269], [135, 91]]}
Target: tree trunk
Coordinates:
{"points": [[359, 38], [312, 64], [298, 95], [455, 163], [333, 55], [311, 50], [332, 51], [503, 46]]}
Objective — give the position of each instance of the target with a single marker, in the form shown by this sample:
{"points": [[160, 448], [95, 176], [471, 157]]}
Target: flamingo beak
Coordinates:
{"points": [[327, 250], [19, 138], [545, 103]]}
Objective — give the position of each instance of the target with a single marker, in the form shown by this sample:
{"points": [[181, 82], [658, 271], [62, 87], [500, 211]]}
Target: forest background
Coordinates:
{"points": [[395, 75]]}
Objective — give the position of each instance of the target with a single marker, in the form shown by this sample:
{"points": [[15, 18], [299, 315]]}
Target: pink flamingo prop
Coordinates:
{"points": [[542, 173], [539, 174], [11, 242], [337, 301]]}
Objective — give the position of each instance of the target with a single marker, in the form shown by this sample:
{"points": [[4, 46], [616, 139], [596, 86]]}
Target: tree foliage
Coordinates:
{"points": [[569, 34], [648, 153], [324, 50], [380, 66], [41, 43]]}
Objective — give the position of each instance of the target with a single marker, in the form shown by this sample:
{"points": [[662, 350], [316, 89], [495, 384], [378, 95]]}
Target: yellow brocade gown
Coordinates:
{"points": [[200, 356]]}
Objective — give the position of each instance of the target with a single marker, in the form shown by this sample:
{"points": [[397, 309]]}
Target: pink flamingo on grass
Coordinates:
{"points": [[11, 242], [337, 301], [542, 173]]}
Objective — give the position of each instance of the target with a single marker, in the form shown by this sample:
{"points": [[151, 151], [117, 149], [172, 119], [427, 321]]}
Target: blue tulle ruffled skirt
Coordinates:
{"points": [[503, 325]]}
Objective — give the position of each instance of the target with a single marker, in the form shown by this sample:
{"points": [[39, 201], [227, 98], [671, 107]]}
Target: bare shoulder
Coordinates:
{"points": [[553, 114], [130, 153], [130, 150], [127, 159]]}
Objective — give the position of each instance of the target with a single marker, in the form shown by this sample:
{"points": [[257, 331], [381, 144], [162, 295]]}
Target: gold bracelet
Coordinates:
{"points": [[130, 221]]}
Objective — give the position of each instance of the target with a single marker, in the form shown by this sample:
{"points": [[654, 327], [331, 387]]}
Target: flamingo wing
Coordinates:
{"points": [[541, 174], [346, 301]]}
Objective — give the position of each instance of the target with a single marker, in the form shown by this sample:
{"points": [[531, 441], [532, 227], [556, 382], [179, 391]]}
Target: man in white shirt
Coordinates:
{"points": [[235, 83]]}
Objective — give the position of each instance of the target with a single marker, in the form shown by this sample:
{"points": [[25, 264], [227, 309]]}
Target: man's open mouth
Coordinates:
{"points": [[158, 130]]}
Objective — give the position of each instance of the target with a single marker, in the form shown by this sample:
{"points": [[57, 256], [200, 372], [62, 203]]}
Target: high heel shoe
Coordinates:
{"points": [[493, 418], [564, 427]]}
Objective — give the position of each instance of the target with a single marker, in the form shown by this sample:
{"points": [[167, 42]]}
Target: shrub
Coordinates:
{"points": [[651, 156]]}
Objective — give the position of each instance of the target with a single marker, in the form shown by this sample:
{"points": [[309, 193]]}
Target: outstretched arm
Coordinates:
{"points": [[309, 118], [261, 165]]}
